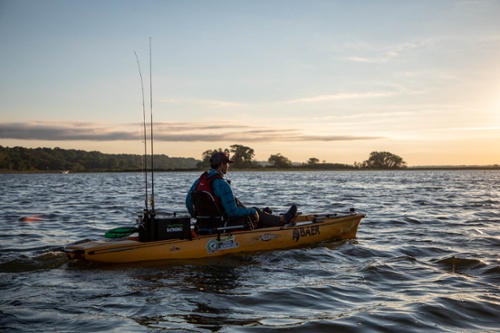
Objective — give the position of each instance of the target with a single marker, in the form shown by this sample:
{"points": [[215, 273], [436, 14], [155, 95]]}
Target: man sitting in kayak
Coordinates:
{"points": [[213, 182]]}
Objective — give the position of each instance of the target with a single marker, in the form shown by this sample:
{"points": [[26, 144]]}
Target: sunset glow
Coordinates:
{"points": [[325, 79]]}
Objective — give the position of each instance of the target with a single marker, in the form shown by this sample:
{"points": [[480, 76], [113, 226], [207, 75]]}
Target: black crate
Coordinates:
{"points": [[153, 228], [172, 227]]}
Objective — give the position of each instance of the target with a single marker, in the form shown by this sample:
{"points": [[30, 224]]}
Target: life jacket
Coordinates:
{"points": [[205, 184], [204, 226]]}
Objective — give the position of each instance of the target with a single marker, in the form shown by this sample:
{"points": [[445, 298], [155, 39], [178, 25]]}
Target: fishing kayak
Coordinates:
{"points": [[306, 230]]}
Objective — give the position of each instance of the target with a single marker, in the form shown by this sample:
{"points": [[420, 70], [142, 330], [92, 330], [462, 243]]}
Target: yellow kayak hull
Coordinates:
{"points": [[308, 229]]}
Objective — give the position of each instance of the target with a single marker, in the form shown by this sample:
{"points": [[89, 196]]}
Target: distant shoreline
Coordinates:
{"points": [[423, 168]]}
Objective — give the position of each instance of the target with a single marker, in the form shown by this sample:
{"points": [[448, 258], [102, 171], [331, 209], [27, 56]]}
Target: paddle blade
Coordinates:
{"points": [[120, 232]]}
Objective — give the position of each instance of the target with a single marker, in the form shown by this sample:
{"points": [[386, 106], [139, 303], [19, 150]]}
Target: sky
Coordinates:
{"points": [[333, 80]]}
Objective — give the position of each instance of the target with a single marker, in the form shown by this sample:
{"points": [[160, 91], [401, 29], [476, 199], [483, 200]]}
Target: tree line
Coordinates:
{"points": [[57, 159], [243, 157]]}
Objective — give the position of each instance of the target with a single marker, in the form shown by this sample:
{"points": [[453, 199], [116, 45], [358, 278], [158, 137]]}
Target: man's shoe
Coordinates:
{"points": [[290, 215], [267, 210]]}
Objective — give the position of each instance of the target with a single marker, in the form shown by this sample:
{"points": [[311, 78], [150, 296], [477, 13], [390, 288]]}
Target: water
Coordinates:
{"points": [[427, 257]]}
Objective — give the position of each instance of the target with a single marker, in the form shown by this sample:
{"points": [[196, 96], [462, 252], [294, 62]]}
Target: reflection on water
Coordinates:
{"points": [[426, 257]]}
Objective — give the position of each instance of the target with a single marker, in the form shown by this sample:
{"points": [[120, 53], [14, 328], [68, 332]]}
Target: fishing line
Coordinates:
{"points": [[145, 163]]}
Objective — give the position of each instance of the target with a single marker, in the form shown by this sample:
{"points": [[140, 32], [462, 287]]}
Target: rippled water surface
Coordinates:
{"points": [[426, 259]]}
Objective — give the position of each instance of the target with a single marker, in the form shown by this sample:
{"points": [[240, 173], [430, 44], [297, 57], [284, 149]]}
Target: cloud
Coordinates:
{"points": [[168, 132], [340, 96], [221, 104], [195, 126], [75, 131], [215, 104], [387, 54], [366, 115], [488, 128], [329, 138], [365, 60]]}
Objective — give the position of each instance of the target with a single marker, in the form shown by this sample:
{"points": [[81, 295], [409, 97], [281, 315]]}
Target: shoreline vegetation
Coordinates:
{"points": [[18, 160], [268, 169]]}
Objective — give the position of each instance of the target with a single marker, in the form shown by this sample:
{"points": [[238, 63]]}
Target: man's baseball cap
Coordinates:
{"points": [[220, 157]]}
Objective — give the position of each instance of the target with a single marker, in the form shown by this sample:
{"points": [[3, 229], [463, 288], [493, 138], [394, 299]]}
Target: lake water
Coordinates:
{"points": [[426, 257]]}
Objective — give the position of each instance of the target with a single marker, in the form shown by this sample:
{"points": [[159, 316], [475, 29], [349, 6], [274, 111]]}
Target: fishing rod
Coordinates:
{"points": [[144, 222], [145, 162], [152, 199]]}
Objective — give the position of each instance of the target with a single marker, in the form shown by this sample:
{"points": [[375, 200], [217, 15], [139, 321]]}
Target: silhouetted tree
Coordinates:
{"points": [[279, 161], [313, 160], [383, 160], [242, 156]]}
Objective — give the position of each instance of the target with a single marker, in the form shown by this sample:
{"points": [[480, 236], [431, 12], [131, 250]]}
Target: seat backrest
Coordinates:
{"points": [[205, 205], [210, 218]]}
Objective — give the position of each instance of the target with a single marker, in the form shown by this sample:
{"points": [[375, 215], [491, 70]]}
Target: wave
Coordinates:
{"points": [[45, 261]]}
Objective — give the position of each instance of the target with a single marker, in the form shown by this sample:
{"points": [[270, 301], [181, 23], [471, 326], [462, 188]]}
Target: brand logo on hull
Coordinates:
{"points": [[268, 237], [214, 246], [305, 232]]}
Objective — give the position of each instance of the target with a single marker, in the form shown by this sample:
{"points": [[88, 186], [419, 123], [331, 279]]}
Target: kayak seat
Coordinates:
{"points": [[210, 219], [209, 216]]}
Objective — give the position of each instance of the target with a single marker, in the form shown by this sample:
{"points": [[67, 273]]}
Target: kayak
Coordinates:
{"points": [[175, 238], [214, 234]]}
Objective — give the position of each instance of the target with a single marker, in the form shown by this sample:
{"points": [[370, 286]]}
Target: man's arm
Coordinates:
{"points": [[225, 193]]}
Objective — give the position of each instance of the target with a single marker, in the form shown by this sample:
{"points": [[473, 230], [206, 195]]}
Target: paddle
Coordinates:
{"points": [[120, 232]]}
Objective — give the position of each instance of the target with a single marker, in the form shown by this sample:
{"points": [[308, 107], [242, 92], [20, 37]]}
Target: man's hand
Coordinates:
{"points": [[255, 218]]}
